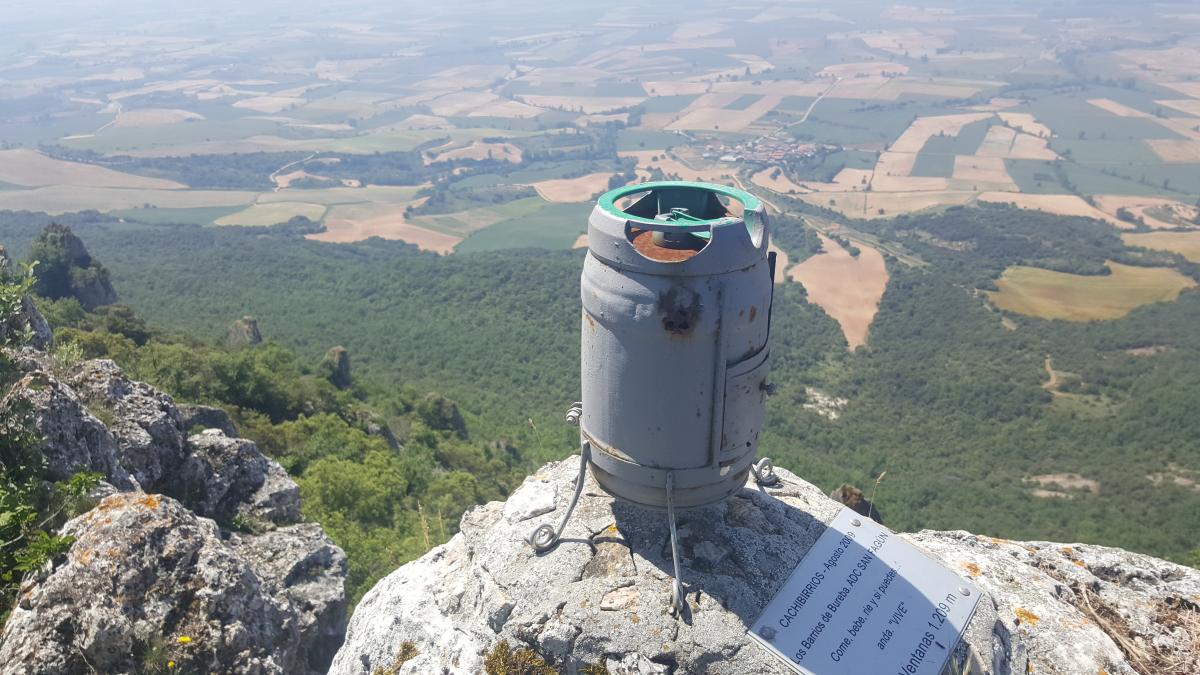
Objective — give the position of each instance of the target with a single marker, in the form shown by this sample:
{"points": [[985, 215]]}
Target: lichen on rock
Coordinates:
{"points": [[157, 571], [601, 596]]}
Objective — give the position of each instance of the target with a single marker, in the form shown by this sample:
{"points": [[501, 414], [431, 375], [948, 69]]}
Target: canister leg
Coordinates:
{"points": [[764, 472], [545, 536], [677, 603]]}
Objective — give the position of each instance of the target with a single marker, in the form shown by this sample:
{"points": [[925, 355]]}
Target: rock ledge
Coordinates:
{"points": [[601, 597]]}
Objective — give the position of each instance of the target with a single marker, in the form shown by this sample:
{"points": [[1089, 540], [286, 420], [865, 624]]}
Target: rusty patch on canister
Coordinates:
{"points": [[679, 308], [643, 241], [753, 312], [591, 322]]}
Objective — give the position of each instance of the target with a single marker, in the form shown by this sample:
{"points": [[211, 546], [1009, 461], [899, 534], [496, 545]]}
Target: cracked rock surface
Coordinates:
{"points": [[601, 596], [158, 557]]}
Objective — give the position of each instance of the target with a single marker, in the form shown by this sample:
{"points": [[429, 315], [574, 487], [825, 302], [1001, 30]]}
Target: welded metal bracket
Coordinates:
{"points": [[545, 536]]}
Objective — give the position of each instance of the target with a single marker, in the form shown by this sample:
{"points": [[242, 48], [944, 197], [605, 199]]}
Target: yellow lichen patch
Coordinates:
{"points": [[1067, 550], [150, 501], [83, 556], [971, 569], [1079, 563], [1026, 616]]}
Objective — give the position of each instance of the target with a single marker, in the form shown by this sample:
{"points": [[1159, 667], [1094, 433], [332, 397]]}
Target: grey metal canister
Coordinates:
{"points": [[677, 290]]}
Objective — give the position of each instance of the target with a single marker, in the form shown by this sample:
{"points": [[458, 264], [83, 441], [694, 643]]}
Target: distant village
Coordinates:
{"points": [[765, 151]]}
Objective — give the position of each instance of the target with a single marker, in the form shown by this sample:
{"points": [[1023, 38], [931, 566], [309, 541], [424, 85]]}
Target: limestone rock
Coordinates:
{"points": [[276, 500], [146, 573], [300, 563], [441, 413], [244, 332], [67, 269], [200, 417], [224, 477], [27, 320], [73, 438], [144, 421], [602, 595], [533, 498], [39, 328], [145, 570], [337, 367]]}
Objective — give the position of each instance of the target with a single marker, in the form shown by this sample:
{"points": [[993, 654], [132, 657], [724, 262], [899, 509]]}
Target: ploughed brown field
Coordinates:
{"points": [[847, 287]]}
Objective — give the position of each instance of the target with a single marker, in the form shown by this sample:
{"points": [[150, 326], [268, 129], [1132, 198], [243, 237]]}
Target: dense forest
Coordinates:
{"points": [[946, 403]]}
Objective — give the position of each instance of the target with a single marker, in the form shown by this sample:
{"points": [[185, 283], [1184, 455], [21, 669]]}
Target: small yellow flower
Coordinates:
{"points": [[183, 639], [170, 664]]}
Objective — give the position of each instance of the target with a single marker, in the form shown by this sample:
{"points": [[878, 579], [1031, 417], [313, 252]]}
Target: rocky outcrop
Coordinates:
{"points": [[336, 366], [196, 555], [144, 422], [300, 563], [601, 597], [28, 321], [148, 580], [66, 269], [73, 439], [439, 412], [200, 417], [244, 332]]}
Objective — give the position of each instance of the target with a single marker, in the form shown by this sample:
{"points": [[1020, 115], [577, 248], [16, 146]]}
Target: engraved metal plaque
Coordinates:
{"points": [[863, 600]]}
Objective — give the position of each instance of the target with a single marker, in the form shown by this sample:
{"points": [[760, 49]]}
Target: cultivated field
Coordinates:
{"points": [[67, 198], [672, 166], [780, 183], [719, 118], [1063, 205], [1156, 212], [1118, 109], [871, 205], [1186, 244], [1174, 151], [260, 215], [923, 128], [983, 172], [1007, 143], [848, 288], [30, 168], [1073, 297], [581, 189], [355, 222], [474, 150], [149, 117], [463, 223]]}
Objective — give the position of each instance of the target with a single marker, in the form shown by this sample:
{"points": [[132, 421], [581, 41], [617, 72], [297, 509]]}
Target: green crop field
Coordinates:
{"points": [[200, 215], [555, 226]]}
